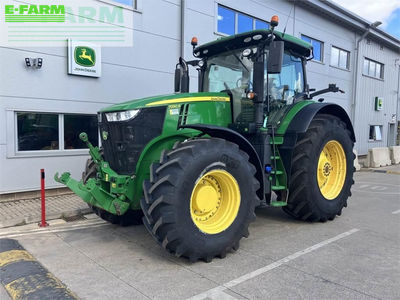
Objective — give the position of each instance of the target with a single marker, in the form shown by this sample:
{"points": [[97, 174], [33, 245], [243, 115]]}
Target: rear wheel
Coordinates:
{"points": [[200, 198], [322, 171], [131, 217]]}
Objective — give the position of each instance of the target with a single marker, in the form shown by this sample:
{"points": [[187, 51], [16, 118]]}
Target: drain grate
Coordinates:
{"points": [[73, 218]]}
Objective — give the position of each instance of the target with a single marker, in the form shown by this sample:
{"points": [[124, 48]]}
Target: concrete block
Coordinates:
{"points": [[356, 164], [378, 157], [395, 154]]}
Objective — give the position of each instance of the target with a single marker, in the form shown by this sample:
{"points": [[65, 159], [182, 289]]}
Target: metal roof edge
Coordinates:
{"points": [[352, 19]]}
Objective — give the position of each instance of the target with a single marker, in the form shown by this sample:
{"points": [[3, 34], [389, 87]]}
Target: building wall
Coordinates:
{"points": [[147, 69], [369, 88], [127, 73]]}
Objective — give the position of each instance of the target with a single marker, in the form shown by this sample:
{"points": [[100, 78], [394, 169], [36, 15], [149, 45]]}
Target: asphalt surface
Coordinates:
{"points": [[356, 256]]}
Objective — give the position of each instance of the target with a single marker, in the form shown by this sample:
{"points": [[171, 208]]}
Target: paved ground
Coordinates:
{"points": [[29, 211], [357, 256]]}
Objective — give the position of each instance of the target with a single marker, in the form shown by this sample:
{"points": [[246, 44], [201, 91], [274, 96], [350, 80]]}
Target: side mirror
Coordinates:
{"points": [[275, 57], [177, 82]]}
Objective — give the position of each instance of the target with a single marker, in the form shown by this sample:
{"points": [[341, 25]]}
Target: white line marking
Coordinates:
{"points": [[373, 183], [217, 290], [379, 188], [371, 192], [396, 212]]}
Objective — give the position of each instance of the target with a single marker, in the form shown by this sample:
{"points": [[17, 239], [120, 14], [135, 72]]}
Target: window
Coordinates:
{"points": [[232, 22], [375, 132], [373, 68], [340, 58], [44, 131], [37, 131], [126, 3], [74, 125], [318, 47]]}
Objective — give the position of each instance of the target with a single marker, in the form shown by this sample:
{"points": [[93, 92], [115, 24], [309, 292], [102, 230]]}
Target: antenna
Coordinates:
{"points": [[287, 21]]}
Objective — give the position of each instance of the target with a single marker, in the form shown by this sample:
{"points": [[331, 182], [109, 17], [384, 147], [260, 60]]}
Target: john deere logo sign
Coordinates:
{"points": [[85, 56]]}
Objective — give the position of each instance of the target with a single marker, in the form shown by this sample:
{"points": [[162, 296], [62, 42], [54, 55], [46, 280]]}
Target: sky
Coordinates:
{"points": [[386, 11]]}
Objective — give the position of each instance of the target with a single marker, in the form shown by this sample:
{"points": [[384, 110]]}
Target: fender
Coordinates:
{"points": [[300, 124], [241, 141]]}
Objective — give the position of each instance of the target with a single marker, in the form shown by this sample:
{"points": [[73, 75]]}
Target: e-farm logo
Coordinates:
{"points": [[34, 13], [85, 56]]}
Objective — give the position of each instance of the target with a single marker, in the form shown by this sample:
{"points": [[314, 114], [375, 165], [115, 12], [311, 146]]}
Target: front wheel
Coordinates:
{"points": [[322, 171], [200, 198]]}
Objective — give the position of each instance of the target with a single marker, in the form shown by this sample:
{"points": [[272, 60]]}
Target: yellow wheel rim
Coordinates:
{"points": [[331, 171], [215, 201]]}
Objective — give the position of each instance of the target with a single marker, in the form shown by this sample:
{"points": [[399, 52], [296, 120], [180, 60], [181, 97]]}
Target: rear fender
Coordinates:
{"points": [[300, 123]]}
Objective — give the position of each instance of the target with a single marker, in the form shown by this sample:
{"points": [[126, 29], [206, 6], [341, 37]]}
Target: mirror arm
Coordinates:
{"points": [[332, 88]]}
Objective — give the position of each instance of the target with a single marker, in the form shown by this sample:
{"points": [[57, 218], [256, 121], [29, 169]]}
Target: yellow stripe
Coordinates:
{"points": [[25, 286], [11, 256], [189, 99]]}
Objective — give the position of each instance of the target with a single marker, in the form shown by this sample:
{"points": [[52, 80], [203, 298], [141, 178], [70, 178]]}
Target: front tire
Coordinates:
{"points": [[322, 171], [200, 198]]}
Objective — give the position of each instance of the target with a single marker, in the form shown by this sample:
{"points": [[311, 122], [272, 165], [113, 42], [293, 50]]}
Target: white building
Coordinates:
{"points": [[42, 110]]}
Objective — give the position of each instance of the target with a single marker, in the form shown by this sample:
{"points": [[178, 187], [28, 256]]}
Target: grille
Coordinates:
{"points": [[127, 139]]}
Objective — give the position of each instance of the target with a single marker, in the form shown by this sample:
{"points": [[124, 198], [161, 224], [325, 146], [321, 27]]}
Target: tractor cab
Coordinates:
{"points": [[261, 70]]}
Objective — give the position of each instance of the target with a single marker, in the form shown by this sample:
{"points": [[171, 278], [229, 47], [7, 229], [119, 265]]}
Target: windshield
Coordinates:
{"points": [[231, 71]]}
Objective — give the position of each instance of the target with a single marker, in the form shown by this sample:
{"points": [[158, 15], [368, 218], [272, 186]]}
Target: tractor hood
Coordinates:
{"points": [[164, 100]]}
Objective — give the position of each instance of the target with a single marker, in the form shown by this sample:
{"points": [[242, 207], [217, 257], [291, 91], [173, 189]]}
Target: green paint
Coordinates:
{"points": [[141, 103], [288, 115], [85, 56], [116, 193]]}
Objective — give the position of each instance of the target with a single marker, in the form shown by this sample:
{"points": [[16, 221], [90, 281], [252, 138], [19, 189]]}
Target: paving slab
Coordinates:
{"points": [[97, 260]]}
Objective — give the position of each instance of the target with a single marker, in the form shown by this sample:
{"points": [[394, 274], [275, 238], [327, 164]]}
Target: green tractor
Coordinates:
{"points": [[194, 166]]}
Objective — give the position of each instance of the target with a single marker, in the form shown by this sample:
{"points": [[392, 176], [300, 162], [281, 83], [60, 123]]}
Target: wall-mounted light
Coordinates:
{"points": [[35, 63]]}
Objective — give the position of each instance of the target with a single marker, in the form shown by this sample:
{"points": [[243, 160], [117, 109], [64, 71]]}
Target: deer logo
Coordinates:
{"points": [[85, 56]]}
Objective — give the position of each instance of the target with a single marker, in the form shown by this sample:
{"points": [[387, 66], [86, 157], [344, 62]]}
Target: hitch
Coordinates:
{"points": [[109, 190]]}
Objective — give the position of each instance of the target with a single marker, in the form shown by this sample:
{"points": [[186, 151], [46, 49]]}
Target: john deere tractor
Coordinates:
{"points": [[194, 166]]}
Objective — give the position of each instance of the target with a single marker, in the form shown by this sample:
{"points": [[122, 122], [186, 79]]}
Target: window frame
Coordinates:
{"points": [[382, 70], [137, 5], [348, 58], [12, 135], [322, 48], [236, 17]]}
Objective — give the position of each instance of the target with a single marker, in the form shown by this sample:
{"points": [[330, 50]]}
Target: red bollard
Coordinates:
{"points": [[43, 223]]}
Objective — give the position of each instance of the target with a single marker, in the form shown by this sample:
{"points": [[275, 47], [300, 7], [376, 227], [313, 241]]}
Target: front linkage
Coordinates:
{"points": [[109, 191]]}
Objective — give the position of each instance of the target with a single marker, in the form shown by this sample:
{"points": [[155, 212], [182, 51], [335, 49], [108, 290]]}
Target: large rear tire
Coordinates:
{"points": [[200, 198], [322, 171], [131, 217]]}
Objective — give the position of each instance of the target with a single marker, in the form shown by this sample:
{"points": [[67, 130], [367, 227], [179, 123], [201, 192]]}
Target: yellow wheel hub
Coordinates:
{"points": [[215, 201], [331, 171]]}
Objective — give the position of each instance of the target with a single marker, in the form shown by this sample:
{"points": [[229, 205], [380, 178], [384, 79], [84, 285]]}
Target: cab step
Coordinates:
{"points": [[278, 203], [278, 187]]}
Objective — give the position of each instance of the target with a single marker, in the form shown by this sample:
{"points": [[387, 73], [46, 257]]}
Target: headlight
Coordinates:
{"points": [[122, 115]]}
